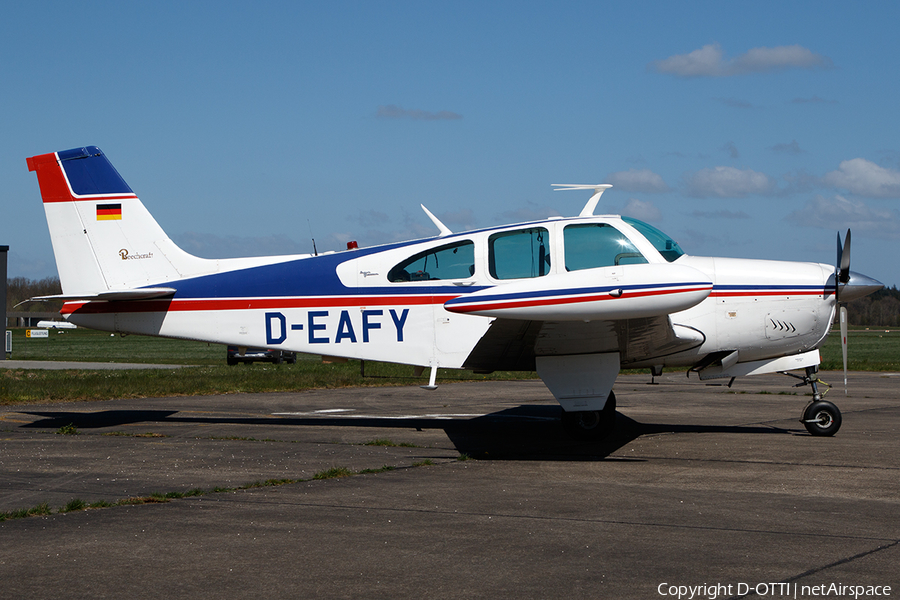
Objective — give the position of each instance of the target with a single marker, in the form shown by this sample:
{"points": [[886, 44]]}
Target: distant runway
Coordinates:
{"points": [[473, 491]]}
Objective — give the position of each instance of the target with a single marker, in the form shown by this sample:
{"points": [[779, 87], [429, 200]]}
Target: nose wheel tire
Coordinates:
{"points": [[591, 425], [822, 418]]}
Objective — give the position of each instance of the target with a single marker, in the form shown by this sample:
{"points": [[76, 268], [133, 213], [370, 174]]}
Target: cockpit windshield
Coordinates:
{"points": [[666, 246]]}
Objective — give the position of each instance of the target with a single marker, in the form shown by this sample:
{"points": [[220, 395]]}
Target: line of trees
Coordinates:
{"points": [[881, 309], [19, 289]]}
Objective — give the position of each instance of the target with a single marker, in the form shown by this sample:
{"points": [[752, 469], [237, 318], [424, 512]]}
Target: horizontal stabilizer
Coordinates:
{"points": [[137, 294]]}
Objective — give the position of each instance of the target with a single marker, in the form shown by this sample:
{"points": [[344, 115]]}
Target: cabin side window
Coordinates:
{"points": [[592, 245], [519, 254], [453, 261]]}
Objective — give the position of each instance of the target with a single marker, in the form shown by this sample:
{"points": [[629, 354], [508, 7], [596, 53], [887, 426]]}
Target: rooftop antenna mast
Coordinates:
{"points": [[599, 188], [315, 252]]}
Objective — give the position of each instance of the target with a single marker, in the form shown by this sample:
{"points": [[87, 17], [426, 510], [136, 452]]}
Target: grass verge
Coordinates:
{"points": [[31, 386], [870, 350]]}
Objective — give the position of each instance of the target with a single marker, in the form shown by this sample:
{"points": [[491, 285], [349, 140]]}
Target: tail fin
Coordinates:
{"points": [[103, 238]]}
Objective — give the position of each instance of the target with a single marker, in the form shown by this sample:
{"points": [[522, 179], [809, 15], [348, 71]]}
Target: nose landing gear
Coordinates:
{"points": [[820, 417]]}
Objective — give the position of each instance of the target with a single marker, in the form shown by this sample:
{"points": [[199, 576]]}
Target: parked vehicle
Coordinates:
{"points": [[234, 355]]}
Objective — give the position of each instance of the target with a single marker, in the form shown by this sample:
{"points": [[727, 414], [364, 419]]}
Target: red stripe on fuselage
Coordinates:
{"points": [[571, 300], [209, 304]]}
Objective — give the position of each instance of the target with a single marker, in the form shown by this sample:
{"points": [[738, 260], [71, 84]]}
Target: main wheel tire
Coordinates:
{"points": [[591, 425], [822, 418]]}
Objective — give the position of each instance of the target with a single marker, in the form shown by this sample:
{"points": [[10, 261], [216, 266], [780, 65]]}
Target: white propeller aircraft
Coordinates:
{"points": [[575, 299]]}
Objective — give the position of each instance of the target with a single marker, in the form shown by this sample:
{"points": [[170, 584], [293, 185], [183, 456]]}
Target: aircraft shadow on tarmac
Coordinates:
{"points": [[525, 432]]}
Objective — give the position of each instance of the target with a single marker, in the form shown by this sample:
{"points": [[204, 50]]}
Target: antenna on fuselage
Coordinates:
{"points": [[315, 252], [444, 230], [591, 205]]}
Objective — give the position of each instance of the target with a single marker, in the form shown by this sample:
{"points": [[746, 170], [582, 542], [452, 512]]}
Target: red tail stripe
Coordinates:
{"points": [[54, 187]]}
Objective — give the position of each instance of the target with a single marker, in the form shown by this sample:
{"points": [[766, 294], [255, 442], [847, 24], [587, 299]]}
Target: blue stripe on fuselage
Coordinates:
{"points": [[312, 276]]}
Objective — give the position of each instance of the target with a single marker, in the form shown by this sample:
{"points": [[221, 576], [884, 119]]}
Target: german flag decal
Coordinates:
{"points": [[109, 212]]}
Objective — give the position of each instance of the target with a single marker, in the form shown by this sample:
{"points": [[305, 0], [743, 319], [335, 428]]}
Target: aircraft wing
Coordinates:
{"points": [[511, 344]]}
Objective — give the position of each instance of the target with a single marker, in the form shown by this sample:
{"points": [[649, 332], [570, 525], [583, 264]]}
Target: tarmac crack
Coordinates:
{"points": [[758, 462], [837, 563], [891, 542]]}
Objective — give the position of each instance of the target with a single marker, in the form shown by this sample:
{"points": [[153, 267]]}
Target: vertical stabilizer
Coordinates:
{"points": [[103, 237]]}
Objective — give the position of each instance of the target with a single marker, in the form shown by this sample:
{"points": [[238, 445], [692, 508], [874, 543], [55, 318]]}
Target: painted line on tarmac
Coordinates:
{"points": [[350, 413]]}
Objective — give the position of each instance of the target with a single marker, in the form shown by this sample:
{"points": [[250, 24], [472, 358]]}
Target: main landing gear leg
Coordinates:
{"points": [[591, 425], [820, 417]]}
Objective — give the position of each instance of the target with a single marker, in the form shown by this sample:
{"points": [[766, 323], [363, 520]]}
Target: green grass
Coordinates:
{"points": [[390, 444], [870, 350], [208, 375], [383, 469], [87, 345], [334, 473]]}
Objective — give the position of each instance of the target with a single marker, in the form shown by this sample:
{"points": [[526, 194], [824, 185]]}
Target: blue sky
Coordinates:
{"points": [[754, 129]]}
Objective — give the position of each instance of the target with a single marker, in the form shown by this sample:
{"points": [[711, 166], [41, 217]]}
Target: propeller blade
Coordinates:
{"points": [[844, 343], [844, 275]]}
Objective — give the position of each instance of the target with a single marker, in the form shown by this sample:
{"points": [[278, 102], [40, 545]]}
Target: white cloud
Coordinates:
{"points": [[735, 103], [792, 148], [369, 217], [813, 100], [210, 245], [705, 62], [639, 209], [392, 111], [859, 176], [728, 182], [709, 61], [731, 150], [720, 214], [839, 213], [638, 180], [781, 57]]}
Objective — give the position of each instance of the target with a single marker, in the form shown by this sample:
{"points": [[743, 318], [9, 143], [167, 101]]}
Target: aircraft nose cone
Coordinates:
{"points": [[859, 286]]}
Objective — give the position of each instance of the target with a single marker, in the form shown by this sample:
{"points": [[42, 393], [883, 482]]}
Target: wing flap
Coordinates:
{"points": [[510, 344]]}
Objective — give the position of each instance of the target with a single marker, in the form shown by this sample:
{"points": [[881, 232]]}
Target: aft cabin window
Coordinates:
{"points": [[519, 254], [593, 245], [454, 261], [666, 246]]}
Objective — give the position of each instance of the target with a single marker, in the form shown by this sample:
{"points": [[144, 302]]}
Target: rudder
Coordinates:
{"points": [[103, 237]]}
